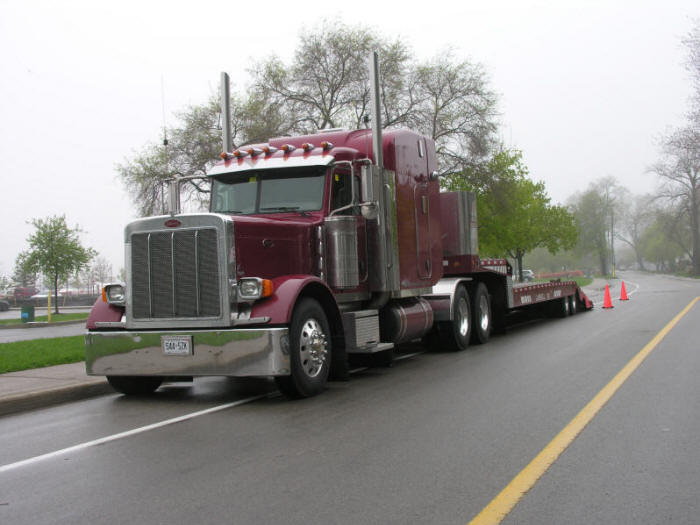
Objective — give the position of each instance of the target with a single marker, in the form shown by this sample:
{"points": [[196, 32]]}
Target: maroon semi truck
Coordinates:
{"points": [[314, 248]]}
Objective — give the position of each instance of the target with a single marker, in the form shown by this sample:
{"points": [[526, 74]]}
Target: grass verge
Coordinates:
{"points": [[38, 353], [43, 318]]}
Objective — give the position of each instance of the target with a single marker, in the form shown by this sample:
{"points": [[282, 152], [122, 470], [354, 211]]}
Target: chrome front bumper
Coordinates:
{"points": [[238, 352]]}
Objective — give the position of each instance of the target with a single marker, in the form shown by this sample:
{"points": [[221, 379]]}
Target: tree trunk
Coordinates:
{"points": [[519, 257], [55, 294], [695, 231], [640, 259]]}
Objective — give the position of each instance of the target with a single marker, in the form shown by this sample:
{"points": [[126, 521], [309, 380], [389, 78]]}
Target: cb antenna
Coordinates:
{"points": [[165, 143], [162, 103]]}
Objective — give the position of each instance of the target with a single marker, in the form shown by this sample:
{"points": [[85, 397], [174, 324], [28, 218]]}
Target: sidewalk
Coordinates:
{"points": [[40, 387]]}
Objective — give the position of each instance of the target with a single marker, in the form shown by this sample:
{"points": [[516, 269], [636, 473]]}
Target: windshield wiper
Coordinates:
{"points": [[280, 208]]}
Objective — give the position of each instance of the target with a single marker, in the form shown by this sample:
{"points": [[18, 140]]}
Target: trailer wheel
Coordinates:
{"points": [[135, 385], [310, 351], [560, 307], [573, 304], [455, 334], [482, 315]]}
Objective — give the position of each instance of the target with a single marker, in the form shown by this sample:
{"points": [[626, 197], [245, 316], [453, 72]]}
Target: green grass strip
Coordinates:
{"points": [[38, 353], [43, 318]]}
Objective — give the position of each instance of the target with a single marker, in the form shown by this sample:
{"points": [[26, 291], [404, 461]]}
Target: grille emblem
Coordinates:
{"points": [[172, 223]]}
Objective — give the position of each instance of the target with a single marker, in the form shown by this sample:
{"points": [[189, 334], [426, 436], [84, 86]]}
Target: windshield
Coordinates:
{"points": [[269, 191]]}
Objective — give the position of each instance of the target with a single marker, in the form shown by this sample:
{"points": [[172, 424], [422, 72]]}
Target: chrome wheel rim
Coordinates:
{"points": [[313, 348], [463, 317], [484, 313]]}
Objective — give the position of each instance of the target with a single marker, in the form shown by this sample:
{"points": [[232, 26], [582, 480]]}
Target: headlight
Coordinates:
{"points": [[114, 294], [253, 288]]}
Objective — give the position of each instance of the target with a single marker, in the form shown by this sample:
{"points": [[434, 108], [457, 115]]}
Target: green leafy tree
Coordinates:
{"points": [[515, 214], [22, 276], [55, 251], [594, 210]]}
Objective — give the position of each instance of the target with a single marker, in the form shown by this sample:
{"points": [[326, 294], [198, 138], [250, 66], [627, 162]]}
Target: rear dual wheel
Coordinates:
{"points": [[456, 334], [482, 315]]}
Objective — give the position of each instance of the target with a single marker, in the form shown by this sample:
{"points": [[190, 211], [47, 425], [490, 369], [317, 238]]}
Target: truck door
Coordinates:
{"points": [[341, 204]]}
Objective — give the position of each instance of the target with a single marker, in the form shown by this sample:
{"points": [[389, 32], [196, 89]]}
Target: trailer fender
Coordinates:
{"points": [[441, 299], [288, 290]]}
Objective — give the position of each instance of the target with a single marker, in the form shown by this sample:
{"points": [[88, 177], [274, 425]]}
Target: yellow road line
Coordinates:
{"points": [[502, 504]]}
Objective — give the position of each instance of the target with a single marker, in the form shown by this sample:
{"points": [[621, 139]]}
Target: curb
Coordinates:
{"points": [[40, 324], [54, 396]]}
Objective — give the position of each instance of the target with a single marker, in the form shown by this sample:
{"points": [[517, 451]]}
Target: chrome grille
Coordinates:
{"points": [[175, 274]]}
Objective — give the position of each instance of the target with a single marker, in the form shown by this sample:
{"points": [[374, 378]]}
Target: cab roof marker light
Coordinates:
{"points": [[326, 145], [288, 148], [307, 146], [240, 154], [226, 156], [254, 152], [269, 150]]}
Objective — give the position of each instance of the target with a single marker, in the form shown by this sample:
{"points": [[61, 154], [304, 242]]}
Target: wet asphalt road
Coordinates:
{"points": [[431, 440]]}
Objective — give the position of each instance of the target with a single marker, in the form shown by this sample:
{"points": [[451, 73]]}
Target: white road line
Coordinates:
{"points": [[154, 426], [121, 435]]}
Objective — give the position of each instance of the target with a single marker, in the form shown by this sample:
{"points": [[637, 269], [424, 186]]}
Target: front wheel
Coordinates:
{"points": [[135, 385], [310, 351]]}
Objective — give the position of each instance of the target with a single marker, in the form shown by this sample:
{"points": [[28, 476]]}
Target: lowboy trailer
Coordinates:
{"points": [[314, 248]]}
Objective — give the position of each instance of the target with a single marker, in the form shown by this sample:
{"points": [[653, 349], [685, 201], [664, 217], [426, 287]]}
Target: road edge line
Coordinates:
{"points": [[128, 433], [508, 498]]}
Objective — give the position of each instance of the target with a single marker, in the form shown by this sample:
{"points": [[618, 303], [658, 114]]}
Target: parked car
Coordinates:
{"points": [[528, 275], [4, 306]]}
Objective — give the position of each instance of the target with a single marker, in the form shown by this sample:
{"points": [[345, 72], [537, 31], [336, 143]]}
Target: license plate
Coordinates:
{"points": [[176, 344]]}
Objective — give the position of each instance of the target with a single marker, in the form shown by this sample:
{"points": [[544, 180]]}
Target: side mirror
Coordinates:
{"points": [[370, 181]]}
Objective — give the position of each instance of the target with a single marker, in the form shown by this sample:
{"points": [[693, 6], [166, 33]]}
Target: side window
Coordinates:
{"points": [[341, 191]]}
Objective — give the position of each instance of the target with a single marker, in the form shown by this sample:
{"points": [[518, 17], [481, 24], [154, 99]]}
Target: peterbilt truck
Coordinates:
{"points": [[314, 248]]}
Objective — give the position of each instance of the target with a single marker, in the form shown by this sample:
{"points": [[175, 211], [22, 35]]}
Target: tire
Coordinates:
{"points": [[455, 334], [135, 385], [573, 305], [560, 307], [310, 351], [482, 315]]}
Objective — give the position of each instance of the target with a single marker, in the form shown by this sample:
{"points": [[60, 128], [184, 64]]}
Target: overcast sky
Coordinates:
{"points": [[586, 87]]}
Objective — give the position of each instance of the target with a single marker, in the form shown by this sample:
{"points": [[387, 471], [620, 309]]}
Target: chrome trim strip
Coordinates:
{"points": [[196, 271], [172, 273], [238, 353], [110, 324], [150, 288], [413, 292]]}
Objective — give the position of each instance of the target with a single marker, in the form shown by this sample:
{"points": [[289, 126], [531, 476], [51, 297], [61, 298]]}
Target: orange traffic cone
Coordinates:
{"points": [[607, 302], [623, 293]]}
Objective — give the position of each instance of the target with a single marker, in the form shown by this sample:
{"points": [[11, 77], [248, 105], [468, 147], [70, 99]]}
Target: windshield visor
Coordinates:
{"points": [[269, 191]]}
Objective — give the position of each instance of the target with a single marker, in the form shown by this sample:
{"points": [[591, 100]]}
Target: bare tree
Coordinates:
{"points": [[692, 43], [679, 171], [326, 85], [633, 221]]}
